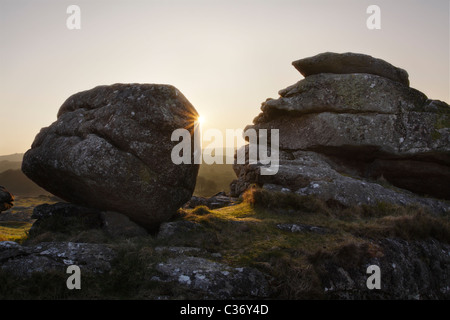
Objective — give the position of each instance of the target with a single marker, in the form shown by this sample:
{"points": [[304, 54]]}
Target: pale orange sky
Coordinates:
{"points": [[225, 56]]}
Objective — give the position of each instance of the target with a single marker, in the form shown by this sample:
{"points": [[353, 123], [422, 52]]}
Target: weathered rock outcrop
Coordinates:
{"points": [[350, 128], [6, 199], [110, 149], [349, 62]]}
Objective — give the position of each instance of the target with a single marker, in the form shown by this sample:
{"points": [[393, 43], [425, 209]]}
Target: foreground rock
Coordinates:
{"points": [[6, 199], [54, 256], [353, 133], [66, 217], [215, 280], [110, 149]]}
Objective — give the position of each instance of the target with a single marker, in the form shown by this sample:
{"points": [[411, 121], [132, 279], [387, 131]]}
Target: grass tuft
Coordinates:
{"points": [[261, 198]]}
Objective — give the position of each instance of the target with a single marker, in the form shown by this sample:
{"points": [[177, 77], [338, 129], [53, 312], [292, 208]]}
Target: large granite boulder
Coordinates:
{"points": [[110, 149], [355, 135]]}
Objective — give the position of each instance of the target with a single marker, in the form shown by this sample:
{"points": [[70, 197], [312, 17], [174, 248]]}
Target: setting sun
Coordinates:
{"points": [[201, 120]]}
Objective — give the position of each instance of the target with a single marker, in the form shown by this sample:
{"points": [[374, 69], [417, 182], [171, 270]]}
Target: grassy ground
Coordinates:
{"points": [[14, 231], [245, 234]]}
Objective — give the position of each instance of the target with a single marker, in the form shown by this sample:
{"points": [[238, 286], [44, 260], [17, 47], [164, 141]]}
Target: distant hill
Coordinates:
{"points": [[214, 178], [12, 157], [16, 182]]}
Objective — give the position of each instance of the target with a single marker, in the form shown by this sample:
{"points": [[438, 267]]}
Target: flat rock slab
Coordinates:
{"points": [[119, 225], [330, 62]]}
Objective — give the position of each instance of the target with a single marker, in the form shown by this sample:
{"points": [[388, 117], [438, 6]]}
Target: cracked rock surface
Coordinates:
{"points": [[217, 280]]}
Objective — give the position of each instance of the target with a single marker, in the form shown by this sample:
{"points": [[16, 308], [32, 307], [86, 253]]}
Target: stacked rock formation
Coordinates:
{"points": [[354, 132], [110, 149]]}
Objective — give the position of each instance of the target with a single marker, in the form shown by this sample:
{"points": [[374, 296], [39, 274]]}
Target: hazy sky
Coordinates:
{"points": [[226, 57]]}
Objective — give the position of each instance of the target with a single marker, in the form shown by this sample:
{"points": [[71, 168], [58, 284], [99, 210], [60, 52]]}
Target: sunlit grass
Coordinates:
{"points": [[14, 230]]}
